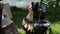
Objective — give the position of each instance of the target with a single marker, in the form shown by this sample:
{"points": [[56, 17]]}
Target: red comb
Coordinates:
{"points": [[29, 7]]}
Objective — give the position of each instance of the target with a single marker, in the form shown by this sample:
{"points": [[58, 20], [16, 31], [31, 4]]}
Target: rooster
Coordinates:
{"points": [[41, 26], [27, 21]]}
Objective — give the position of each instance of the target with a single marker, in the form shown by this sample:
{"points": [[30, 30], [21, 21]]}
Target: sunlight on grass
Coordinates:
{"points": [[21, 31], [56, 28]]}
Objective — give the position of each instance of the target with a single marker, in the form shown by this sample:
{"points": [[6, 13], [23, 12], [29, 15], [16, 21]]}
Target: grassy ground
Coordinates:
{"points": [[51, 15]]}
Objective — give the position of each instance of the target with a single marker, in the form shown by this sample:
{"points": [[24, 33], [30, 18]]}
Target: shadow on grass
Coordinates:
{"points": [[53, 14], [18, 15]]}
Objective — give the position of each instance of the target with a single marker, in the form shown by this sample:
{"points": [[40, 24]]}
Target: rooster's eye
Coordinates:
{"points": [[4, 15]]}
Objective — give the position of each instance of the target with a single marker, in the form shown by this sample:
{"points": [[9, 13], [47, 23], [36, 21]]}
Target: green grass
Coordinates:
{"points": [[56, 28], [51, 15], [21, 31]]}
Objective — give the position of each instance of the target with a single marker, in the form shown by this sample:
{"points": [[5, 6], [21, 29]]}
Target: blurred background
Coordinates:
{"points": [[20, 3], [19, 11]]}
